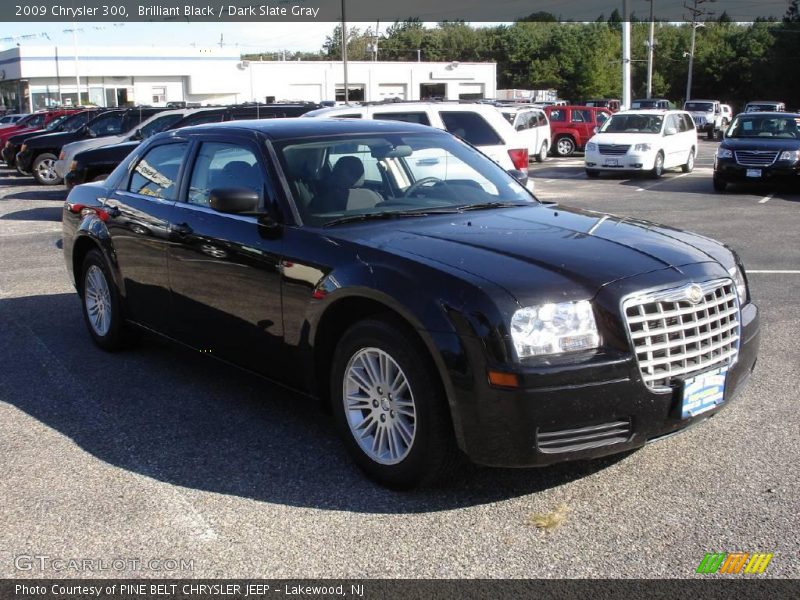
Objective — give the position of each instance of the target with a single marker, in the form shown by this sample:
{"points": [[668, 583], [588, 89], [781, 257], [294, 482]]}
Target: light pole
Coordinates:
{"points": [[695, 27], [344, 54], [650, 48], [626, 54]]}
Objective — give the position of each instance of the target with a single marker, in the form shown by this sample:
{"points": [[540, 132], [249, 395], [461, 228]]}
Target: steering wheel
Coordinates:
{"points": [[418, 184]]}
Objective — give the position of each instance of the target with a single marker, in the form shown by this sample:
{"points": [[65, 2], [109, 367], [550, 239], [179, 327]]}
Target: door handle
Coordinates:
{"points": [[181, 229]]}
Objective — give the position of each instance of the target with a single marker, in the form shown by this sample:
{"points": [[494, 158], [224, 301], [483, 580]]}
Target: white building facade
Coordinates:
{"points": [[37, 77]]}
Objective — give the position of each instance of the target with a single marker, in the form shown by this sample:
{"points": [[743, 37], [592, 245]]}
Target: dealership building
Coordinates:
{"points": [[35, 77]]}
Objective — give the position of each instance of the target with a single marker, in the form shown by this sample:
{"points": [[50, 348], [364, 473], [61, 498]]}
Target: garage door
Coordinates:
{"points": [[470, 91], [391, 90]]}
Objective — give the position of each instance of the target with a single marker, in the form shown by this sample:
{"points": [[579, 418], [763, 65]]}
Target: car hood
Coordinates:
{"points": [[114, 152], [73, 148], [626, 139], [54, 140], [543, 251], [773, 144]]}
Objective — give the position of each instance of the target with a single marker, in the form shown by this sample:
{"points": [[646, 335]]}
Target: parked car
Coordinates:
{"points": [[644, 141], [95, 164], [652, 103], [64, 123], [533, 127], [10, 119], [158, 122], [759, 147], [481, 125], [707, 116], [572, 126], [437, 316], [33, 122], [727, 115], [613, 105], [765, 106], [38, 154]]}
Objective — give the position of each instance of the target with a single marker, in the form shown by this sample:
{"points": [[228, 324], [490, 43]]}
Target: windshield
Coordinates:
{"points": [[761, 107], [159, 124], [645, 104], [765, 126], [391, 175], [699, 106], [633, 123], [55, 123]]}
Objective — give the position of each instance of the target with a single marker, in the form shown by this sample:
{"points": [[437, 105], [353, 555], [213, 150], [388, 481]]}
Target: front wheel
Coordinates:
{"points": [[389, 406], [658, 167], [689, 166], [565, 146], [44, 169]]}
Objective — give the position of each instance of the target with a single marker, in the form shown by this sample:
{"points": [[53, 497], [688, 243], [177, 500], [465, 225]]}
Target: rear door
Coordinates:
{"points": [[583, 124]]}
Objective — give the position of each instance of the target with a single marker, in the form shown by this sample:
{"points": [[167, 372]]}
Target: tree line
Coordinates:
{"points": [[734, 62]]}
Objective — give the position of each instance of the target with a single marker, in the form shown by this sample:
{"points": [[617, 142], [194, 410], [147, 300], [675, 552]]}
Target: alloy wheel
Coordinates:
{"points": [[46, 170], [97, 299]]}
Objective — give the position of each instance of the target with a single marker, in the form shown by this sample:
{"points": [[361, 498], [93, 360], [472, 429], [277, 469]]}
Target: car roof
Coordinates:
{"points": [[700, 100], [652, 111], [770, 113], [289, 128], [406, 105]]}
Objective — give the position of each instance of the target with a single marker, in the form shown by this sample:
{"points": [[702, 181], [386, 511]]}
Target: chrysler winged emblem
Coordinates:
{"points": [[694, 293]]}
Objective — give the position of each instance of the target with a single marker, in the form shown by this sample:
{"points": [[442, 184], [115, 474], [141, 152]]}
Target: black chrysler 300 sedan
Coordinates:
{"points": [[759, 147], [397, 273]]}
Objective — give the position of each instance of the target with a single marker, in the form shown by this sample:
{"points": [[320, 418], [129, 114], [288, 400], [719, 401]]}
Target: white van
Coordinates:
{"points": [[533, 126], [481, 125]]}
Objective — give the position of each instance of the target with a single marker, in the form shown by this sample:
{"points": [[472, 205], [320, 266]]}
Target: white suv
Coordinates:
{"points": [[533, 126], [643, 140], [481, 125], [707, 116]]}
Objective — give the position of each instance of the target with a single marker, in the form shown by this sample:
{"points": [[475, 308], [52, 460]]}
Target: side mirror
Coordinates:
{"points": [[519, 175], [670, 131], [137, 135], [234, 200]]}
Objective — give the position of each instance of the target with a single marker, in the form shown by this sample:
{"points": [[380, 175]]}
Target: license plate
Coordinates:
{"points": [[754, 172], [703, 392], [611, 162]]}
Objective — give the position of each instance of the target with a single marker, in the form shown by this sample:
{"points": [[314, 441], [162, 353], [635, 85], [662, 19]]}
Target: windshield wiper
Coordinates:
{"points": [[489, 205], [388, 214]]}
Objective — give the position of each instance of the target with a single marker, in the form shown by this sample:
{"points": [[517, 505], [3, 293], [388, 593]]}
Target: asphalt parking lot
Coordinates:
{"points": [[149, 454]]}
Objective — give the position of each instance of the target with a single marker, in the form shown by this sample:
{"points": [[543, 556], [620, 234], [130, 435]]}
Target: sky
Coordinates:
{"points": [[250, 37]]}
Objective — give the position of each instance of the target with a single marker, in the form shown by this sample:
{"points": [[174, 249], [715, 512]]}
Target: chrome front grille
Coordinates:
{"points": [[584, 438], [613, 149], [752, 158], [673, 336]]}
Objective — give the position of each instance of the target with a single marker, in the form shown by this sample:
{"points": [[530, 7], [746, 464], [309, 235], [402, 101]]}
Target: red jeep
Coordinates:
{"points": [[572, 126]]}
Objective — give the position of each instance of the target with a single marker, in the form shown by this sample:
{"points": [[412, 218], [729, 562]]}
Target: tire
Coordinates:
{"points": [[101, 305], [592, 173], [720, 185], [658, 168], [43, 169], [564, 146], [542, 156], [417, 445], [689, 166]]}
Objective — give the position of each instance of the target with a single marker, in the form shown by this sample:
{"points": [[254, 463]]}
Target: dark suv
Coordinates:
{"points": [[38, 154]]}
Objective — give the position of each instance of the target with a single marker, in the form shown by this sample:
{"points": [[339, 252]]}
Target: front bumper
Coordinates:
{"points": [[9, 154], [24, 161], [62, 168], [631, 161], [726, 169]]}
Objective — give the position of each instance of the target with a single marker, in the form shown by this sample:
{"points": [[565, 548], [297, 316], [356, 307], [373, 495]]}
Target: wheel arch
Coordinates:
{"points": [[92, 235]]}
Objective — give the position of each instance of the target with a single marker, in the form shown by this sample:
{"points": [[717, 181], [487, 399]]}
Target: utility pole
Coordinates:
{"points": [[58, 80], [651, 42], [626, 54], [698, 14], [344, 54]]}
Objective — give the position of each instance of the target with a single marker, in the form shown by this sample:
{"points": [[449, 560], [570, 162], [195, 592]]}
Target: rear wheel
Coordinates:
{"points": [[565, 146], [658, 167], [542, 156], [44, 169], [720, 185], [101, 303], [689, 166], [389, 406]]}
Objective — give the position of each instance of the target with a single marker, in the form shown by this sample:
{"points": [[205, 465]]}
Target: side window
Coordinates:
{"points": [[471, 127], [223, 165], [36, 121], [689, 123], [672, 121], [558, 116], [156, 173], [202, 118], [349, 116], [601, 117], [107, 124], [159, 124], [581, 116], [407, 117], [542, 120]]}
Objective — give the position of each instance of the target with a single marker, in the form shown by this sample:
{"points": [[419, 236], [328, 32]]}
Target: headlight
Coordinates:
{"points": [[642, 147], [740, 283], [554, 328], [591, 147], [792, 155], [724, 153], [73, 166]]}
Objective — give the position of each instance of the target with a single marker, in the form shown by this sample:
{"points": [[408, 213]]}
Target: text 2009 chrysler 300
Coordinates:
{"points": [[396, 272]]}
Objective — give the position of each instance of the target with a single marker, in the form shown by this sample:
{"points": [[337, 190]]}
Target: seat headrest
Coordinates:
{"points": [[348, 172]]}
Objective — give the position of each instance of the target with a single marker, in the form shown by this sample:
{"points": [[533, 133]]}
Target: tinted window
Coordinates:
{"points": [[471, 127], [348, 116], [200, 119], [559, 116], [581, 116], [602, 117], [688, 123], [75, 121], [409, 117], [107, 124], [542, 120], [221, 165], [36, 121], [156, 173], [160, 124]]}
